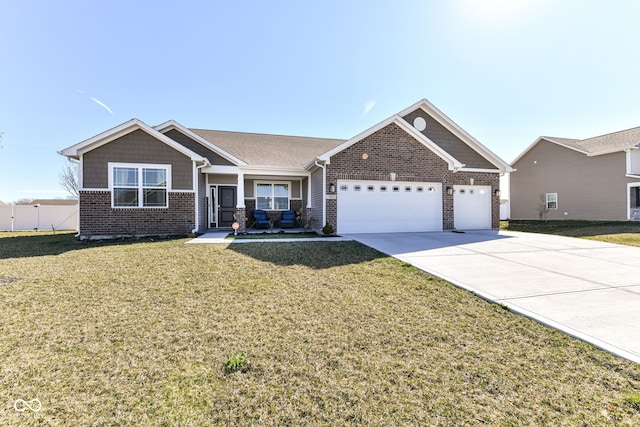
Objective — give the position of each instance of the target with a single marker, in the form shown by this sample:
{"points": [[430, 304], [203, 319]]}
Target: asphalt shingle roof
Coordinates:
{"points": [[269, 150], [603, 144]]}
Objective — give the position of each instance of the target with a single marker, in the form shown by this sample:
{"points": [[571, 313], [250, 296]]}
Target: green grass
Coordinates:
{"points": [[621, 232], [139, 333]]}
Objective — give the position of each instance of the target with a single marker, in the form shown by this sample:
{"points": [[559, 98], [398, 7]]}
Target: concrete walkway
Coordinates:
{"points": [[588, 289]]}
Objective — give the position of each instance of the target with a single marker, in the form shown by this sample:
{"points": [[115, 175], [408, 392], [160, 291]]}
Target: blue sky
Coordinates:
{"points": [[506, 71]]}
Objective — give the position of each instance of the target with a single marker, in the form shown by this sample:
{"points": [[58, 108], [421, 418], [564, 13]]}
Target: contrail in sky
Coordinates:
{"points": [[102, 104], [368, 106]]}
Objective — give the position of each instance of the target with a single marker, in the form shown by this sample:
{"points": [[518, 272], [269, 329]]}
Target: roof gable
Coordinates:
{"points": [[200, 145], [562, 142], [492, 161], [604, 144], [75, 151]]}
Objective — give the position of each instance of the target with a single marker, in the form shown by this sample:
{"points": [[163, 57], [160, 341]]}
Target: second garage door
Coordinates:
{"points": [[384, 207], [471, 207]]}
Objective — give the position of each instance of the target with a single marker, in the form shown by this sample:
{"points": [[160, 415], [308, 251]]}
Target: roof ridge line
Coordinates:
{"points": [[265, 134]]}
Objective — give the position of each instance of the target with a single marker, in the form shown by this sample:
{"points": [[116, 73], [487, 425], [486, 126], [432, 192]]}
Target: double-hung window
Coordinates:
{"points": [[552, 201], [139, 186], [272, 195]]}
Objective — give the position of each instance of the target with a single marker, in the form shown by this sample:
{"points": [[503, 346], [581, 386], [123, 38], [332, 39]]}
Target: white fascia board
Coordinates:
{"points": [[453, 127], [125, 129], [481, 170], [415, 106], [172, 124], [220, 169], [274, 169], [255, 170], [73, 151]]}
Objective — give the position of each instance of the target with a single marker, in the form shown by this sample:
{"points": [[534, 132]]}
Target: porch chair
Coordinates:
{"points": [[288, 219], [261, 218]]}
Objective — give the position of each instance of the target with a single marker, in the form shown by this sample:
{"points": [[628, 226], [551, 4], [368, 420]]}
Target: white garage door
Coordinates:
{"points": [[472, 207], [383, 207]]}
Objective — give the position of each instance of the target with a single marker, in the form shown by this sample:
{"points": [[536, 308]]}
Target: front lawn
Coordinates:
{"points": [[621, 232], [335, 333]]}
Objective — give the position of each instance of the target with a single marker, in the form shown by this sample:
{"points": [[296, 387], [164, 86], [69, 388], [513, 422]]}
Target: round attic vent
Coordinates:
{"points": [[420, 123]]}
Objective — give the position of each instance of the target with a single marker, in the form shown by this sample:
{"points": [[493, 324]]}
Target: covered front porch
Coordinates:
{"points": [[232, 196]]}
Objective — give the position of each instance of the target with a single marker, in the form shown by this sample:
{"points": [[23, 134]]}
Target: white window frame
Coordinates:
{"points": [[548, 200], [140, 187], [272, 184]]}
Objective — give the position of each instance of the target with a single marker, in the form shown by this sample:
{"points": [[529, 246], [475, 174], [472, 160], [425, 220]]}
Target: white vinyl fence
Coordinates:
{"points": [[38, 217]]}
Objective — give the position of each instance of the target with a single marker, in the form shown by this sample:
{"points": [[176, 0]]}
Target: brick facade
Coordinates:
{"points": [[392, 150], [99, 220]]}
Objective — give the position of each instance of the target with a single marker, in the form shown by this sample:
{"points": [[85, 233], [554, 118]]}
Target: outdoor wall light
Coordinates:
{"points": [[332, 188], [496, 192], [449, 190]]}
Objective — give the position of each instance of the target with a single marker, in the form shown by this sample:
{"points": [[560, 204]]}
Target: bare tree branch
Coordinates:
{"points": [[68, 178], [23, 201]]}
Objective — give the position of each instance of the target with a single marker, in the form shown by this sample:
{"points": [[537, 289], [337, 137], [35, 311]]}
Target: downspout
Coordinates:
{"points": [[79, 163], [324, 192]]}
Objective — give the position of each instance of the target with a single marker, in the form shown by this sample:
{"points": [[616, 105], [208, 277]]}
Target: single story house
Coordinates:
{"points": [[415, 171], [590, 179]]}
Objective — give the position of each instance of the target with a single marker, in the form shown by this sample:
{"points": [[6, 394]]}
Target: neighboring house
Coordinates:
{"points": [[415, 171], [591, 179], [2, 203]]}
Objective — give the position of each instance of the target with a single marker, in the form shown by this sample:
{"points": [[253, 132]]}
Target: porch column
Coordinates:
{"points": [[241, 216], [240, 193]]}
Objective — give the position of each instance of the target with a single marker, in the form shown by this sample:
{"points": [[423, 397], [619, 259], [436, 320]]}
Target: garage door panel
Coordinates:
{"points": [[472, 207], [379, 206]]}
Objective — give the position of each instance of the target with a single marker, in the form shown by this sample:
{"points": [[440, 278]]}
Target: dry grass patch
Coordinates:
{"points": [[334, 332]]}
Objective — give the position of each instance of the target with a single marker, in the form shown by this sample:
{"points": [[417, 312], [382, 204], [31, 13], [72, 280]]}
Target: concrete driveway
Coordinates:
{"points": [[588, 289]]}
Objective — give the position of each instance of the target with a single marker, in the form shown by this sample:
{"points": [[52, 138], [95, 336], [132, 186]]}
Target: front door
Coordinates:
{"points": [[226, 206]]}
